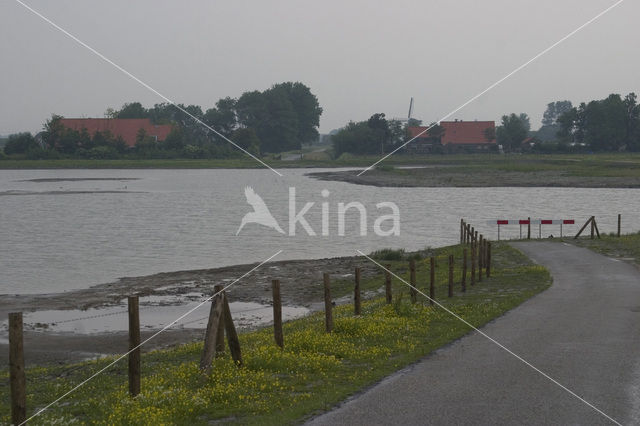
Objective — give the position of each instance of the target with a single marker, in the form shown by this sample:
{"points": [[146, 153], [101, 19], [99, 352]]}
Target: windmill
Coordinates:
{"points": [[408, 119]]}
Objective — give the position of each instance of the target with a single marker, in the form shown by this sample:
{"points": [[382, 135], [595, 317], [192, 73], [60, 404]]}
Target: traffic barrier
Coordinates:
{"points": [[530, 222]]}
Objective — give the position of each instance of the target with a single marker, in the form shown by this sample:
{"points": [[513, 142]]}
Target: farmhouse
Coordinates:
{"points": [[455, 136], [126, 128]]}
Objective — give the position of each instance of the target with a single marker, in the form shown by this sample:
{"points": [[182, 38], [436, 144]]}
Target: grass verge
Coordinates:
{"points": [[314, 371], [627, 246]]}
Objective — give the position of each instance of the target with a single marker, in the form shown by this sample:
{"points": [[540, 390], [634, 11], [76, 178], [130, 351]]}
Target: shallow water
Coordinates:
{"points": [[155, 313], [63, 232]]}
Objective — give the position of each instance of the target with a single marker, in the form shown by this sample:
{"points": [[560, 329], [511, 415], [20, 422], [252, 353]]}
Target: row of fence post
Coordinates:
{"points": [[220, 322]]}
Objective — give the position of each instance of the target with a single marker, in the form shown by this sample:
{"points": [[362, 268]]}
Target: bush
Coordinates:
{"points": [[388, 254], [43, 154], [20, 143]]}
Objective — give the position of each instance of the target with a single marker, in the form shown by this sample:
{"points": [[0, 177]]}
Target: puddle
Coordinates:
{"points": [[155, 313]]}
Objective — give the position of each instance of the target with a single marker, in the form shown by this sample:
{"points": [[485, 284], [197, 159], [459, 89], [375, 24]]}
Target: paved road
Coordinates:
{"points": [[584, 332]]}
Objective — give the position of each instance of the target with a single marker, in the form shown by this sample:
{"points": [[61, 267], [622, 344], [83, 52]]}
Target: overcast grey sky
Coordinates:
{"points": [[358, 57]]}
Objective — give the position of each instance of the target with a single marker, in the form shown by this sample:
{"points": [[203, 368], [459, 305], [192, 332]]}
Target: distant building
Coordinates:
{"points": [[456, 136], [126, 128]]}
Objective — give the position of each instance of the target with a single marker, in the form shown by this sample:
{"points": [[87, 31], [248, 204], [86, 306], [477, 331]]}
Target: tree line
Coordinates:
{"points": [[377, 135], [611, 124], [278, 119]]}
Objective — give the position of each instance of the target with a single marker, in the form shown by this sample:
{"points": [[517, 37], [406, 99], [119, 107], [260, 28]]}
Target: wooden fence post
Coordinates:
{"points": [[461, 231], [134, 345], [619, 223], [463, 282], [528, 228], [480, 258], [473, 264], [218, 288], [232, 334], [277, 313], [432, 279], [412, 280], [356, 296], [387, 284], [328, 314], [211, 337], [17, 377], [592, 226], [584, 227], [468, 233], [488, 259], [474, 235], [450, 275]]}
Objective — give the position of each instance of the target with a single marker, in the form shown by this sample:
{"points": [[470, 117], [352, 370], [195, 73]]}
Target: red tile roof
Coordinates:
{"points": [[460, 132], [127, 128]]}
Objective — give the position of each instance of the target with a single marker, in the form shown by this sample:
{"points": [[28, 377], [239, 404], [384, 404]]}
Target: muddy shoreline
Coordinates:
{"points": [[456, 176], [301, 285]]}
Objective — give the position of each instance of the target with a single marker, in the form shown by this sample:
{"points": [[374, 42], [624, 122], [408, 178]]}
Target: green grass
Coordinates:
{"points": [[315, 370], [627, 246], [603, 165]]}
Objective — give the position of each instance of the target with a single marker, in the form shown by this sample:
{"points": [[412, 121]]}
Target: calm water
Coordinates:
{"points": [[62, 235]]}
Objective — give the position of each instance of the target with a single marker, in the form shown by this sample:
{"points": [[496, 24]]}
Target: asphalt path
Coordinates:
{"points": [[584, 332]]}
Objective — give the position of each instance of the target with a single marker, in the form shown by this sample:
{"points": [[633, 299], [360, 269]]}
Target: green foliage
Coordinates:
{"points": [[132, 110], [555, 110], [20, 143], [247, 139], [314, 371], [610, 124], [388, 254], [513, 130], [373, 136]]}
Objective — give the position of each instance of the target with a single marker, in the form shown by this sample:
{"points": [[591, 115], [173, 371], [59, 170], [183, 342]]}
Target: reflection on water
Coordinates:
{"points": [[71, 233]]}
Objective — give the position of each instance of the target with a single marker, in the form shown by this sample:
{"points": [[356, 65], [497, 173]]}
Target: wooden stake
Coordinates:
{"points": [[432, 279], [277, 313], [595, 225], [220, 344], [463, 282], [461, 231], [619, 223], [232, 335], [328, 313], [412, 280], [450, 275], [529, 228], [584, 227], [134, 342], [17, 377], [593, 221], [356, 296], [387, 284], [213, 329], [480, 258], [473, 264], [488, 259]]}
